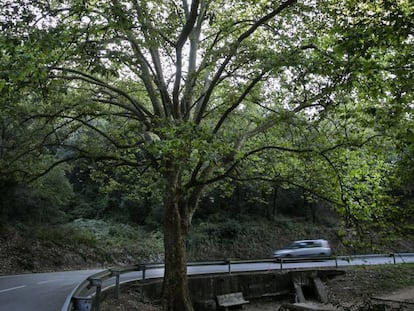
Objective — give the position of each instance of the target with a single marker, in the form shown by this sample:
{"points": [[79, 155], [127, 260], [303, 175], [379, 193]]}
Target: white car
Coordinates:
{"points": [[304, 248]]}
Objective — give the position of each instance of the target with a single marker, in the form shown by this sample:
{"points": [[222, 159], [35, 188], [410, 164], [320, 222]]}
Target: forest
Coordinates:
{"points": [[175, 115]]}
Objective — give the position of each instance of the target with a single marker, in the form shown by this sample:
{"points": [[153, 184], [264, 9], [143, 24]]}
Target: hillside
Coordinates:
{"points": [[93, 243]]}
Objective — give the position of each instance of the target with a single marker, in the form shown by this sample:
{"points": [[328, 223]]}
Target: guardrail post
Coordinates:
{"points": [[336, 262], [281, 264], [142, 267], [229, 264], [393, 258], [117, 276], [97, 301]]}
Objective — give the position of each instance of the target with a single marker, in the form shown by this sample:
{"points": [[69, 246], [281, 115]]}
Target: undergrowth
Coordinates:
{"points": [[105, 237], [397, 276], [215, 238], [247, 238]]}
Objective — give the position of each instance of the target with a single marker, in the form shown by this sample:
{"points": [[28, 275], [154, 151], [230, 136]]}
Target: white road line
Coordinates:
{"points": [[44, 282], [13, 288]]}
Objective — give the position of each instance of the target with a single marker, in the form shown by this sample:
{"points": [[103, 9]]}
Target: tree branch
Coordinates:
{"points": [[141, 111], [238, 101], [182, 38], [236, 45]]}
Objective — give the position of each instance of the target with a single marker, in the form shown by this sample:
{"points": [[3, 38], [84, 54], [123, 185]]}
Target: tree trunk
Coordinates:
{"points": [[274, 202], [176, 296]]}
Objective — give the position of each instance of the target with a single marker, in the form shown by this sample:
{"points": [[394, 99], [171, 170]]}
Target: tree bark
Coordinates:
{"points": [[274, 201], [176, 295]]}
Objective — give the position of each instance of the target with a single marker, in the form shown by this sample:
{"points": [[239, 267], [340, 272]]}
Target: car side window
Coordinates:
{"points": [[311, 244], [302, 245]]}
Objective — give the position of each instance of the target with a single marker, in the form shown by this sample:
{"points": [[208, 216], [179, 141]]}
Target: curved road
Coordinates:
{"points": [[48, 291], [39, 291]]}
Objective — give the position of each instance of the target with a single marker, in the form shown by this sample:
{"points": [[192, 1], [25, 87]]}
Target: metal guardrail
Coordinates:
{"points": [[80, 299], [83, 298]]}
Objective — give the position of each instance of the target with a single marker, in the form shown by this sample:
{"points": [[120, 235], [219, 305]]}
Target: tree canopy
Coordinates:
{"points": [[297, 93]]}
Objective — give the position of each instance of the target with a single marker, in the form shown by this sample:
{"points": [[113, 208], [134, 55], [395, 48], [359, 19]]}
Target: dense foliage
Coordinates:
{"points": [[159, 108]]}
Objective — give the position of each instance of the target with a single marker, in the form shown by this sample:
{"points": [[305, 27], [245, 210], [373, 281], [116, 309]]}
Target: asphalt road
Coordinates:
{"points": [[48, 291], [39, 291]]}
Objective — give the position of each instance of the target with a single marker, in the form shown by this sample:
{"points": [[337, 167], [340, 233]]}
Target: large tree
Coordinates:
{"points": [[186, 91]]}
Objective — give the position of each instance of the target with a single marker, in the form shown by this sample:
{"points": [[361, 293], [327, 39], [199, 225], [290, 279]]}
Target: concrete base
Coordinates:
{"points": [[308, 306]]}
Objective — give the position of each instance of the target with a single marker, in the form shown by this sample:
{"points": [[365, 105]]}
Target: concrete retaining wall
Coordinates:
{"points": [[205, 288]]}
